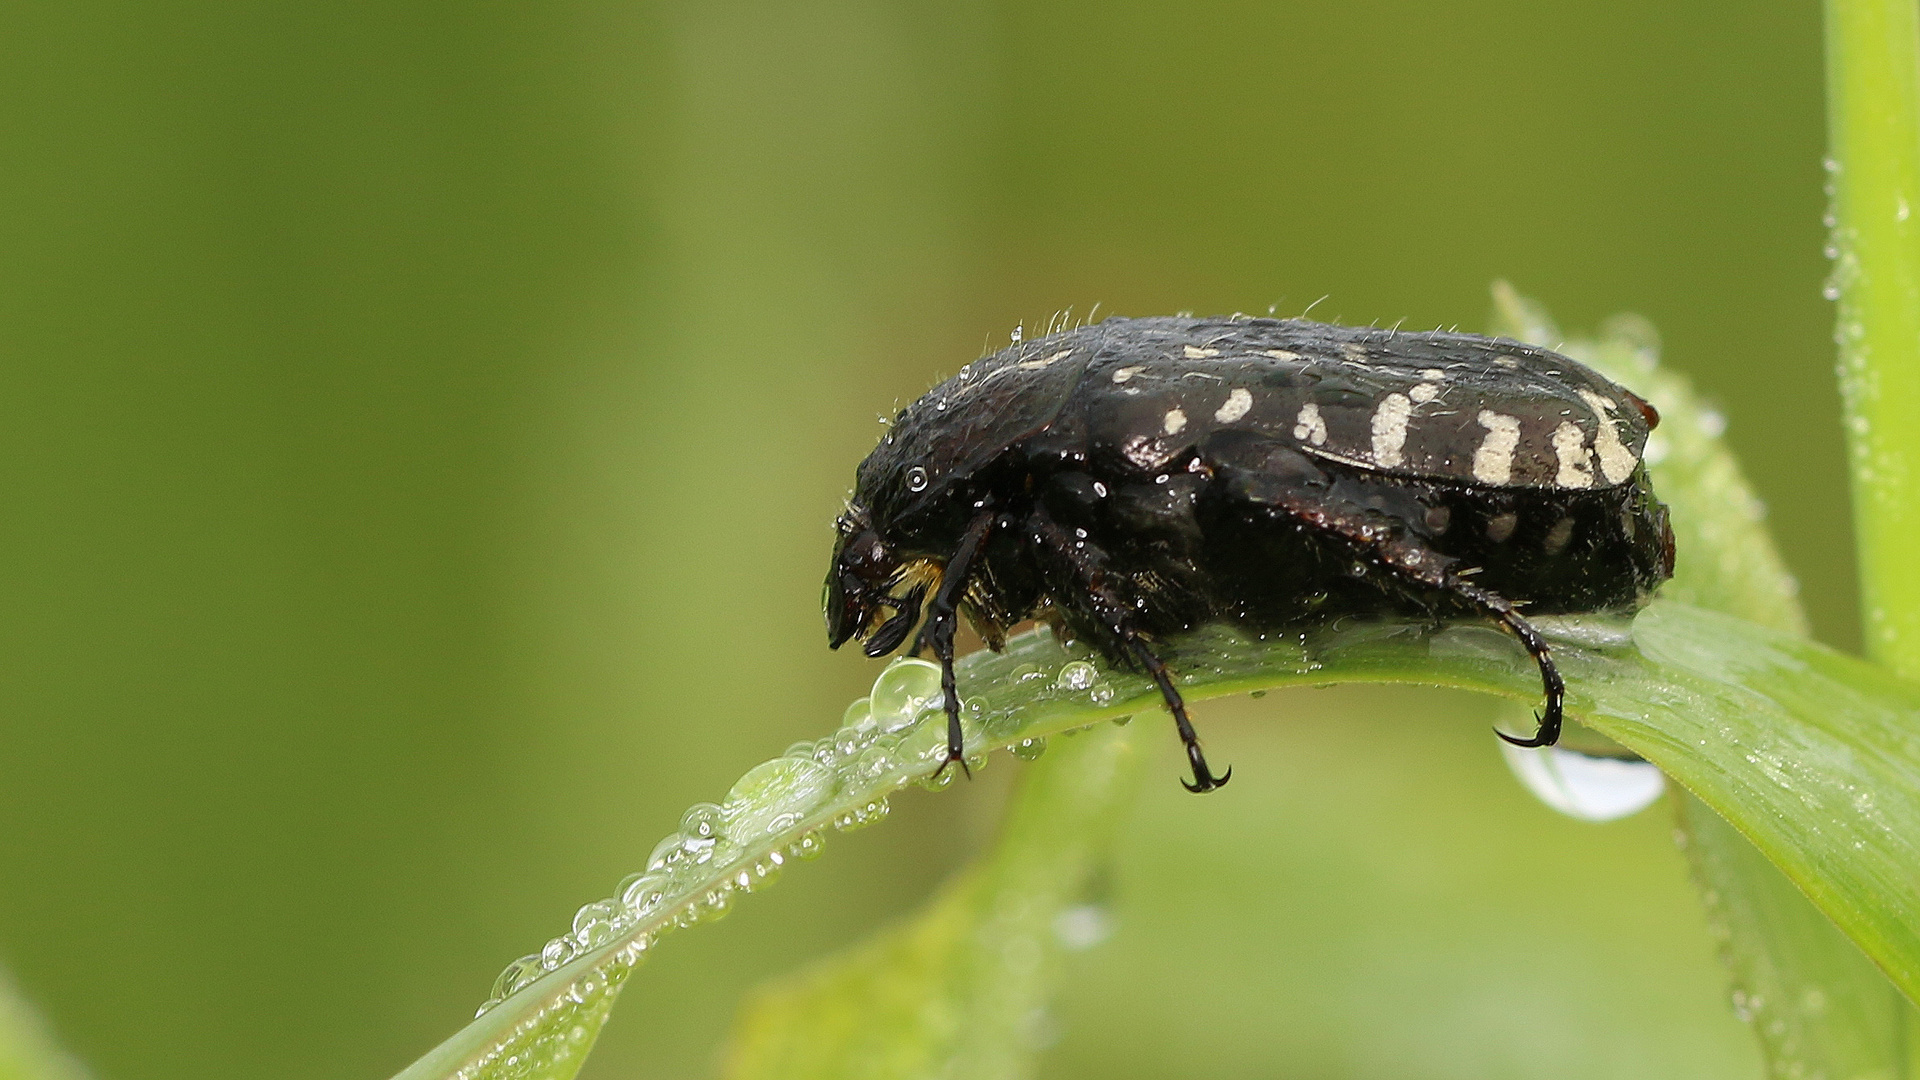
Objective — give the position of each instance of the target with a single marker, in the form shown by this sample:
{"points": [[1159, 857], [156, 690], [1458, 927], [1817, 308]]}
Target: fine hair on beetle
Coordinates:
{"points": [[1133, 479]]}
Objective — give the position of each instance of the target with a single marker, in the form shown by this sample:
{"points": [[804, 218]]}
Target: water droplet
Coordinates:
{"points": [[876, 763], [1082, 926], [861, 816], [711, 905], [809, 846], [849, 741], [1256, 693], [1019, 331], [766, 870], [593, 924], [1123, 721], [702, 821], [825, 752], [517, 976], [858, 715], [557, 952], [777, 795], [678, 852], [1585, 787], [916, 479], [1077, 675], [641, 894], [1029, 749], [1027, 673], [903, 691]]}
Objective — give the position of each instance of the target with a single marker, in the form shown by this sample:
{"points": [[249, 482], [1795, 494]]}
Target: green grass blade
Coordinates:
{"points": [[1873, 112], [958, 991], [1813, 756], [27, 1048], [1816, 1004]]}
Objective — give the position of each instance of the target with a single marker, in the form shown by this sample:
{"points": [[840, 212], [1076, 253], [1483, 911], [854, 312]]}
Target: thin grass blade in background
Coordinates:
{"points": [[1873, 117], [27, 1048]]}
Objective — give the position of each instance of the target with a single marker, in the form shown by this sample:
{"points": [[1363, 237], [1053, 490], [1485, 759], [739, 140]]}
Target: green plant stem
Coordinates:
{"points": [[1873, 93]]}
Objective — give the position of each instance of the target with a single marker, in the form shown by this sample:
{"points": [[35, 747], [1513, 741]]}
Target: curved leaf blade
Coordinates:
{"points": [[1816, 1004], [1815, 757]]}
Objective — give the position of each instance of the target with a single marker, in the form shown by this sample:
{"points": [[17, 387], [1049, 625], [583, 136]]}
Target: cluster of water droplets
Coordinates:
{"points": [[780, 811]]}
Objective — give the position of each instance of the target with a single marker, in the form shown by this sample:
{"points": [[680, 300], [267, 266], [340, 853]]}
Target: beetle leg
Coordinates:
{"points": [[1500, 610], [1113, 612], [942, 620], [1420, 566]]}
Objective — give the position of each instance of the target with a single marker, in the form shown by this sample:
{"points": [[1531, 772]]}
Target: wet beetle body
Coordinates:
{"points": [[1137, 478]]}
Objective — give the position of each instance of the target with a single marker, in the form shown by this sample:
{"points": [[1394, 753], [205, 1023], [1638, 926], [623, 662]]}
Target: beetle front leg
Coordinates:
{"points": [[943, 620]]}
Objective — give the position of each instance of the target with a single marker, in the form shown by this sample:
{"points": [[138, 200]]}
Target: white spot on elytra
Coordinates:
{"points": [[1390, 429], [1493, 459], [1175, 422], [1570, 446], [1616, 461], [1423, 393], [1126, 373], [1433, 373], [1354, 352], [1238, 402], [1200, 354], [1507, 361], [1035, 365], [1282, 354], [1308, 426]]}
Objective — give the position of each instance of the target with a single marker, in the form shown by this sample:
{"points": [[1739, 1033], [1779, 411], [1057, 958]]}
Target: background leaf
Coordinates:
{"points": [[961, 990], [1814, 1001]]}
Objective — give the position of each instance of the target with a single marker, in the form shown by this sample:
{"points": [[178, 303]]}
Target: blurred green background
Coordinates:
{"points": [[420, 425]]}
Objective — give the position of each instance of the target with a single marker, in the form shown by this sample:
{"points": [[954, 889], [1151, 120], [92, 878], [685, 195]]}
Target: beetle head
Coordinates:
{"points": [[870, 593]]}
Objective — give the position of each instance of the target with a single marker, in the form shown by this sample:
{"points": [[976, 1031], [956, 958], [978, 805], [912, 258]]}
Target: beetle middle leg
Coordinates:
{"points": [[1119, 621], [942, 621]]}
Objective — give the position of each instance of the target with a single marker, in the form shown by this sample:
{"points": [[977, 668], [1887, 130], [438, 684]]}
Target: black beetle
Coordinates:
{"points": [[1131, 480]]}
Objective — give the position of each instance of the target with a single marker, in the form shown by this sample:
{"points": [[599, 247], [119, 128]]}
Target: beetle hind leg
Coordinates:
{"points": [[1500, 610], [1416, 565]]}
